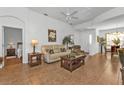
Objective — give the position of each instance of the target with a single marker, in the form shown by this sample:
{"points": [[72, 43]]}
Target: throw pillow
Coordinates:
{"points": [[62, 49], [51, 51]]}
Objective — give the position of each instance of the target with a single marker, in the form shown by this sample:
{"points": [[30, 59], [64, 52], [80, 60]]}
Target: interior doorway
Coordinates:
{"points": [[13, 43]]}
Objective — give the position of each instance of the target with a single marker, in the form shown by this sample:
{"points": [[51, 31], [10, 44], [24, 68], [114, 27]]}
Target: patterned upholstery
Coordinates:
{"points": [[77, 49]]}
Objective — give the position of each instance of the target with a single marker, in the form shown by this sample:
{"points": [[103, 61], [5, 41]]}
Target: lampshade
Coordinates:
{"points": [[11, 44], [34, 42]]}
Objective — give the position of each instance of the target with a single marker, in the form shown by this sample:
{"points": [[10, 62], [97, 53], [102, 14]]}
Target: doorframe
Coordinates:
{"points": [[3, 46]]}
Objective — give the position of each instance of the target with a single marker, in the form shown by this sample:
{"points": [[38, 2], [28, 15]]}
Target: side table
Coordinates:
{"points": [[34, 58]]}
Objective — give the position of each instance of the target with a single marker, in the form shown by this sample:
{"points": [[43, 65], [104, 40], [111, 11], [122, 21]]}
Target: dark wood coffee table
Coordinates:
{"points": [[72, 63]]}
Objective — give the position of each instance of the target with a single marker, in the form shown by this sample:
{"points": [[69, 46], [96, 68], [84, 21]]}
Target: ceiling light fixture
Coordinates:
{"points": [[69, 16]]}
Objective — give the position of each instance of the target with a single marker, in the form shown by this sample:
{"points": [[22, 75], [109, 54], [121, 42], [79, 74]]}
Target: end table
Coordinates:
{"points": [[34, 58]]}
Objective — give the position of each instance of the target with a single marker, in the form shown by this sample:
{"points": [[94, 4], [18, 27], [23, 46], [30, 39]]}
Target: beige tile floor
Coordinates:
{"points": [[98, 70]]}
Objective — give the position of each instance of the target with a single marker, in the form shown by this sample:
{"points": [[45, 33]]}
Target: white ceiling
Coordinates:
{"points": [[84, 14]]}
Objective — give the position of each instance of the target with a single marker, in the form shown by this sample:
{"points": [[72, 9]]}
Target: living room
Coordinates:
{"points": [[98, 29], [36, 25], [32, 22]]}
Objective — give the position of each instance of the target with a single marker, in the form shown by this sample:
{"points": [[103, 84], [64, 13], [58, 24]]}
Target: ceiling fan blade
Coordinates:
{"points": [[73, 13], [63, 13], [74, 17]]}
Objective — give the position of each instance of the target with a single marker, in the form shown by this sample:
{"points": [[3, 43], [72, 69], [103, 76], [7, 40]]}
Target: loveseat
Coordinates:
{"points": [[52, 53]]}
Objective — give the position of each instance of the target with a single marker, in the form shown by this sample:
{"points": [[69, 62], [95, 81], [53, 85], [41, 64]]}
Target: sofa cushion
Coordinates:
{"points": [[58, 55], [54, 56], [56, 50]]}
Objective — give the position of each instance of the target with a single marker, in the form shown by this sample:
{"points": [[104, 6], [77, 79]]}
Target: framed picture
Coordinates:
{"points": [[51, 35]]}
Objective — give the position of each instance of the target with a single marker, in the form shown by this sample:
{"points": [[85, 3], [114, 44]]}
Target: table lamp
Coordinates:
{"points": [[34, 43], [11, 44]]}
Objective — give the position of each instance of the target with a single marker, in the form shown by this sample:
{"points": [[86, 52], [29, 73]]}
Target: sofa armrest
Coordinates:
{"points": [[47, 57]]}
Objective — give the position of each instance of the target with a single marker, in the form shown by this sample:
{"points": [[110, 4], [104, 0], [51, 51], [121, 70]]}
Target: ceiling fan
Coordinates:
{"points": [[69, 16]]}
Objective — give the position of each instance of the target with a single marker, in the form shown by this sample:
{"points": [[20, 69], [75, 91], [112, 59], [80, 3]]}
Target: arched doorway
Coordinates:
{"points": [[13, 22]]}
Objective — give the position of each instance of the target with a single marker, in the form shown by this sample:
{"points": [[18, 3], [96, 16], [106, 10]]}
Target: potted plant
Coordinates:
{"points": [[102, 42], [116, 41], [67, 40]]}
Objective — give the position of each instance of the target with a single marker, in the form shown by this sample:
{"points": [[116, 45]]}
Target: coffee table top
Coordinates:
{"points": [[72, 57]]}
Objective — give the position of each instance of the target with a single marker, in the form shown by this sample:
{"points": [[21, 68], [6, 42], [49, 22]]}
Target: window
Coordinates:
{"points": [[115, 35], [90, 39]]}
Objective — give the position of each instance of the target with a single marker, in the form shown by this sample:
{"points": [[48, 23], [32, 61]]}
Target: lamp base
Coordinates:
{"points": [[34, 49]]}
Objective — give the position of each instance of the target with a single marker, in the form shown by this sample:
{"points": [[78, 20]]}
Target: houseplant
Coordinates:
{"points": [[116, 41], [102, 42], [67, 40]]}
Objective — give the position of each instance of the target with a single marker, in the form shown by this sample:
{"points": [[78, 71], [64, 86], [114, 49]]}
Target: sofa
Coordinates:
{"points": [[52, 53]]}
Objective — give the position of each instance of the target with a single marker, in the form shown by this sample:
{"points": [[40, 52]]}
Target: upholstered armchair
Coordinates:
{"points": [[77, 49]]}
